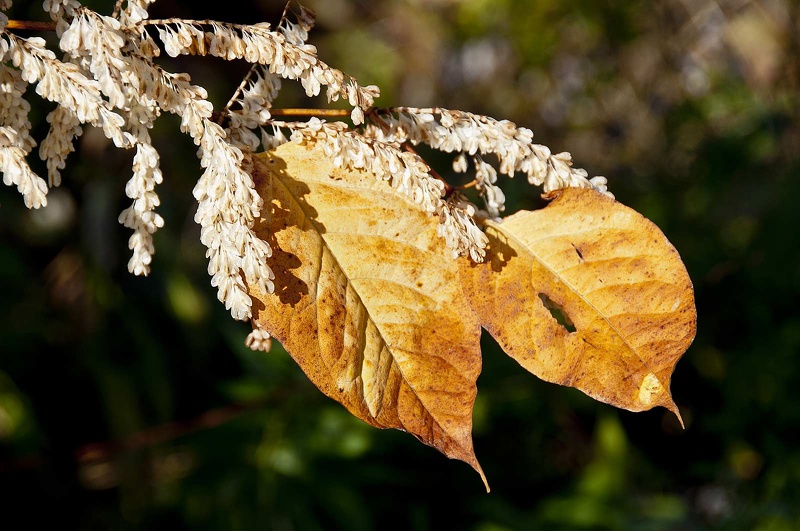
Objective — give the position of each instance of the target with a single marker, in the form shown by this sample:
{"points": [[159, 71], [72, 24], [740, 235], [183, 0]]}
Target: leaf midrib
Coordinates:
{"points": [[308, 217]]}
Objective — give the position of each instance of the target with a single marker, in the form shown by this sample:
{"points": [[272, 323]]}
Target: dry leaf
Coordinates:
{"points": [[618, 287], [367, 299]]}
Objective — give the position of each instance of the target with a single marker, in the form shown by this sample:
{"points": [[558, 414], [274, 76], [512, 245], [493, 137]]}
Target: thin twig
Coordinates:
{"points": [[226, 110], [117, 9], [164, 433], [285, 12], [104, 451], [31, 25], [374, 115], [327, 113]]}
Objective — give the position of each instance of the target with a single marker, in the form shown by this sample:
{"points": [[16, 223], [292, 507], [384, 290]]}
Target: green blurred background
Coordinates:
{"points": [[130, 403]]}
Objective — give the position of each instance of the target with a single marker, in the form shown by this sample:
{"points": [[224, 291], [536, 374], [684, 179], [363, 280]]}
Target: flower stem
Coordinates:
{"points": [[31, 25], [330, 113]]}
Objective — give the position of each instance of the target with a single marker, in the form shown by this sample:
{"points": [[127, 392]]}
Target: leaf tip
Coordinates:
{"points": [[652, 393], [472, 461], [674, 409], [479, 470]]}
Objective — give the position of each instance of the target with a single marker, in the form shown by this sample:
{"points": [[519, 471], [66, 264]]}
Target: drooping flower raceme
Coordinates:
{"points": [[109, 78], [477, 136]]}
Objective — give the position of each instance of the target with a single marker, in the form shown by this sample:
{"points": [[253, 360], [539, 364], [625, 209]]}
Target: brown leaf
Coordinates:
{"points": [[618, 287], [367, 299]]}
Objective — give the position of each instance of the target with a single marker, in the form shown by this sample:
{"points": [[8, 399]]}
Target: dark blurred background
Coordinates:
{"points": [[130, 403]]}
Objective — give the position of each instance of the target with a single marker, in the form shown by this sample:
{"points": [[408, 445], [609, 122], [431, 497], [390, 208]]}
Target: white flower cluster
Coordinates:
{"points": [[59, 143], [475, 135], [16, 141], [65, 84], [59, 10], [135, 11], [227, 200], [285, 55], [56, 81], [100, 52], [254, 104], [141, 216], [406, 172], [259, 340], [109, 79], [259, 88], [228, 206]]}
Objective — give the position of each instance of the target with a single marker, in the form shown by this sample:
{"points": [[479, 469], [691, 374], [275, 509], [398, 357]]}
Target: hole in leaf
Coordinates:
{"points": [[557, 312]]}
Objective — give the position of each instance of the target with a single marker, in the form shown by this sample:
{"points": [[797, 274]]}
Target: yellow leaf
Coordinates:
{"points": [[367, 299], [587, 293]]}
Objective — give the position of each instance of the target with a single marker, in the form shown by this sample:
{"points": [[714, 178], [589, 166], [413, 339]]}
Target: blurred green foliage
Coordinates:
{"points": [[132, 403]]}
